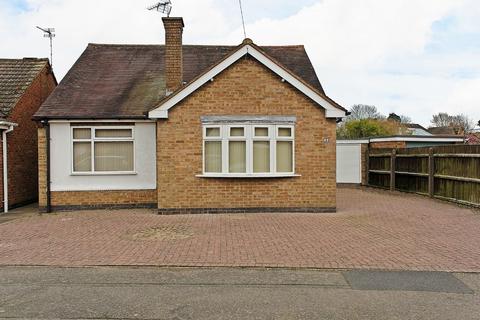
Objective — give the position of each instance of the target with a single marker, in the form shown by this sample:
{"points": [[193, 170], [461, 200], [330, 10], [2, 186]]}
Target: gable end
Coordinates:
{"points": [[332, 109]]}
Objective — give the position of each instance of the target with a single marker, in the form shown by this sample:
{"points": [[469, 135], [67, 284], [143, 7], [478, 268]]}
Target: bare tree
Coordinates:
{"points": [[405, 119], [442, 119], [362, 111], [461, 123], [464, 122]]}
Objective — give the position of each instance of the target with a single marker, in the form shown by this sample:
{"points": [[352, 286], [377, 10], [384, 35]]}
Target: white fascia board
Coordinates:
{"points": [[417, 139], [330, 110], [7, 124]]}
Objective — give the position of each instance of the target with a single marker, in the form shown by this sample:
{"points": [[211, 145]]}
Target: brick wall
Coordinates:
{"points": [[364, 155], [103, 199], [1, 172], [246, 88], [390, 144], [42, 167], [22, 141]]}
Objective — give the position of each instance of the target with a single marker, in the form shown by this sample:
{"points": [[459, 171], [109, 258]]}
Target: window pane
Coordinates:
{"points": [[261, 132], [213, 132], [284, 156], [237, 157], [261, 156], [82, 133], [82, 157], [113, 133], [237, 132], [114, 156], [213, 156], [285, 132]]}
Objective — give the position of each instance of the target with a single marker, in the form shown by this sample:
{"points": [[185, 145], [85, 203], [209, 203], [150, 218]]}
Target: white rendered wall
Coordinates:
{"points": [[61, 163]]}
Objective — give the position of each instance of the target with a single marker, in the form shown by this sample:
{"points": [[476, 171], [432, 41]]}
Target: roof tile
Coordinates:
{"points": [[16, 75]]}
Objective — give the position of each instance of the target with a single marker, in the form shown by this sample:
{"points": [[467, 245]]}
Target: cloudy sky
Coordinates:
{"points": [[412, 57]]}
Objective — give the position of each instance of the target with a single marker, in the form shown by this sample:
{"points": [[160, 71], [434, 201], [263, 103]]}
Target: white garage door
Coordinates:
{"points": [[349, 163]]}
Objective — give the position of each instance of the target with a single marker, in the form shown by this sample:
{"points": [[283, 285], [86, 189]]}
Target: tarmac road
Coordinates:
{"points": [[223, 293]]}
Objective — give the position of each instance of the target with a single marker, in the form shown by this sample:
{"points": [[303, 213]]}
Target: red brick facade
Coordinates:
{"points": [[22, 142]]}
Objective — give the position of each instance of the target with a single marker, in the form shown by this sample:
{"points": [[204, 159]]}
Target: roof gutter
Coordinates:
{"points": [[93, 119]]}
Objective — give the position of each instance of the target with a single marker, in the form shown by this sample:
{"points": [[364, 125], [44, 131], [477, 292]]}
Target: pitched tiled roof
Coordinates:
{"points": [[415, 126], [127, 81], [16, 75], [442, 131]]}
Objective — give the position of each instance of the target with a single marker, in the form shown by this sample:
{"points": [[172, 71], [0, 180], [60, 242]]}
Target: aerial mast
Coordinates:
{"points": [[49, 33]]}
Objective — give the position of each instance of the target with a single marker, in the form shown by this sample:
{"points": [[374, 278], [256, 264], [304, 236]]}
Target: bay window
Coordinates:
{"points": [[103, 150], [248, 149]]}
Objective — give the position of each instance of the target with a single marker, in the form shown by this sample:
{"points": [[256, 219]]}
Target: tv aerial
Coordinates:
{"points": [[164, 7], [49, 33]]}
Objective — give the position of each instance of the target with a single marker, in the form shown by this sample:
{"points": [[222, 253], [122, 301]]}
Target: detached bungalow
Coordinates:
{"points": [[189, 129]]}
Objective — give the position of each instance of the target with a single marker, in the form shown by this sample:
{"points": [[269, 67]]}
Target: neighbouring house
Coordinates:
{"points": [[473, 138], [189, 129], [351, 154], [24, 86]]}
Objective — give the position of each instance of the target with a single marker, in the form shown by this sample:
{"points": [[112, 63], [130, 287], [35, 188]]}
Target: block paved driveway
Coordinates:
{"points": [[372, 229]]}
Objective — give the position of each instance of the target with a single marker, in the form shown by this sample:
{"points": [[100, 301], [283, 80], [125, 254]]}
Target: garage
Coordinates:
{"points": [[349, 161]]}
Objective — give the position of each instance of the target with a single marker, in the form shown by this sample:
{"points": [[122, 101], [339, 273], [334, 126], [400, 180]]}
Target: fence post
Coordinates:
{"points": [[393, 168], [431, 173]]}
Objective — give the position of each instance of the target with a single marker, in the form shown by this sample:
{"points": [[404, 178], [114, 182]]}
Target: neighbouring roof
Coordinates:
{"points": [[417, 129], [415, 126], [127, 81], [473, 138], [442, 130], [16, 75]]}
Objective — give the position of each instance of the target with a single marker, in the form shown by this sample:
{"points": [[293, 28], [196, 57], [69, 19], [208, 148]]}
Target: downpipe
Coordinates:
{"points": [[5, 168]]}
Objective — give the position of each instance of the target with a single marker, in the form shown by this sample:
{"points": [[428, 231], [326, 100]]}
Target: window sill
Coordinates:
{"points": [[104, 174], [248, 176]]}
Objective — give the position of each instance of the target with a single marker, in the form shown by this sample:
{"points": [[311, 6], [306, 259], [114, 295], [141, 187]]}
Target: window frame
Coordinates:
{"points": [[93, 139], [249, 137]]}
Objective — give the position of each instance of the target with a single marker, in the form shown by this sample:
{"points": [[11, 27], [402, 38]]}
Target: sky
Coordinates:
{"points": [[411, 57]]}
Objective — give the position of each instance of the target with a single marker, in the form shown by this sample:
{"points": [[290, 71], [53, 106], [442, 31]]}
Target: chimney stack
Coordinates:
{"points": [[173, 53]]}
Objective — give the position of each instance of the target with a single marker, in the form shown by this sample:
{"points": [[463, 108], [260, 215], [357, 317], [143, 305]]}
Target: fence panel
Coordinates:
{"points": [[447, 172]]}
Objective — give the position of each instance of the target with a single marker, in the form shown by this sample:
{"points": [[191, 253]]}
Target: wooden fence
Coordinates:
{"points": [[447, 172]]}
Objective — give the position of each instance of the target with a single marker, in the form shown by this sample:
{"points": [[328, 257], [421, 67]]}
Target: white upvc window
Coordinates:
{"points": [[248, 150], [103, 150]]}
